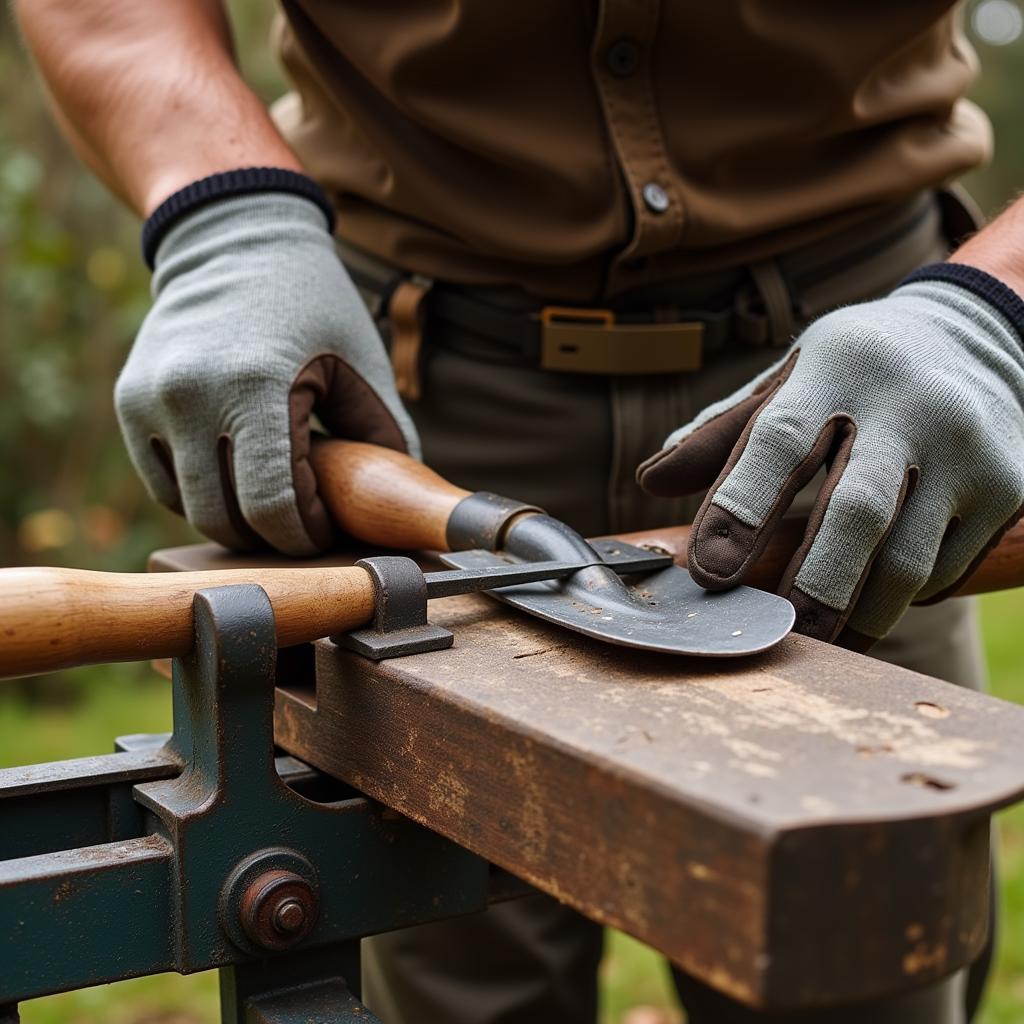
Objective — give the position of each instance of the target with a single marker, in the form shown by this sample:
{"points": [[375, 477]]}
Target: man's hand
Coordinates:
{"points": [[255, 325], [255, 322], [915, 403]]}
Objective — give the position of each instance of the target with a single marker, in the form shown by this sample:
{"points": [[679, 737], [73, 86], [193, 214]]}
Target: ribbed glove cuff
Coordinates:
{"points": [[999, 296], [219, 186]]}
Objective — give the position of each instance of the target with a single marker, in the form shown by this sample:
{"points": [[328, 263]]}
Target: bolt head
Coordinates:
{"points": [[279, 909], [289, 917]]}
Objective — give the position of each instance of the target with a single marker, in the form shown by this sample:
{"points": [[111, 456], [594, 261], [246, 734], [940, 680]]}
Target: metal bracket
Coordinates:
{"points": [[401, 589], [400, 621]]}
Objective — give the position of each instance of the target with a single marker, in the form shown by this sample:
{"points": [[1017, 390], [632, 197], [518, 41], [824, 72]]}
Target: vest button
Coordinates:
{"points": [[655, 197], [623, 58]]}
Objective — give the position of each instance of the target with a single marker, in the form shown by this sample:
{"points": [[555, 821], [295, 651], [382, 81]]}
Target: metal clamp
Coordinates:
{"points": [[480, 520], [204, 851], [400, 619]]}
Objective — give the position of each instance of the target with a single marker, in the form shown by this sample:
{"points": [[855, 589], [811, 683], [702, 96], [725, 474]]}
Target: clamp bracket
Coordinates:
{"points": [[400, 623]]}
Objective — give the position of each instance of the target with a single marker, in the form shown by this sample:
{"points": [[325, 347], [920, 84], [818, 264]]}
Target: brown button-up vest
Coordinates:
{"points": [[580, 148]]}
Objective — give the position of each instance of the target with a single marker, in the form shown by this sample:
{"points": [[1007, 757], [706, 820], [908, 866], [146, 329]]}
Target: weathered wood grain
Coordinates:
{"points": [[802, 828]]}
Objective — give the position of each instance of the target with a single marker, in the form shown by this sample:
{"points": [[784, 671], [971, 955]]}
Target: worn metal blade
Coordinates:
{"points": [[661, 610]]}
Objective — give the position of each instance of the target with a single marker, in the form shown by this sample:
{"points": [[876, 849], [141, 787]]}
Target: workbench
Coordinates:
{"points": [[806, 827]]}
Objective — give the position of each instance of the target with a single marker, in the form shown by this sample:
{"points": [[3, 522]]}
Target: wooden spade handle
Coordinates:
{"points": [[1002, 569], [383, 497], [55, 618]]}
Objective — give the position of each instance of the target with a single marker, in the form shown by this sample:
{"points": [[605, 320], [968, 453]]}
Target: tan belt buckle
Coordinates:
{"points": [[590, 341]]}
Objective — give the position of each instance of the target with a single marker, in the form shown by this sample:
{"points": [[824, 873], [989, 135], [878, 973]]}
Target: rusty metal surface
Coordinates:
{"points": [[278, 909], [729, 818], [229, 809], [82, 802], [74, 917], [727, 814]]}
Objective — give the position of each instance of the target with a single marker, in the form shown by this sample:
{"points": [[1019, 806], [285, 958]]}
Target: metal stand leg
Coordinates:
{"points": [[305, 988]]}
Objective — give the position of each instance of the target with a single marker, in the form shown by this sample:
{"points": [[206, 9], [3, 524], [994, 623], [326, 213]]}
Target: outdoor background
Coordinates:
{"points": [[73, 290]]}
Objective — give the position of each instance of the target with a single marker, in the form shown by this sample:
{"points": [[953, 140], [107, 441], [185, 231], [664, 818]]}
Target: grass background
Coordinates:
{"points": [[72, 293]]}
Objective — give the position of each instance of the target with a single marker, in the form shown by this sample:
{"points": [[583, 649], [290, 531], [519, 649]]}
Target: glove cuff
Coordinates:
{"points": [[242, 181], [1001, 297]]}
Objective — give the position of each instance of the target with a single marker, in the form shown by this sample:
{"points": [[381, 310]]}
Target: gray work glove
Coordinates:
{"points": [[255, 325], [914, 403]]}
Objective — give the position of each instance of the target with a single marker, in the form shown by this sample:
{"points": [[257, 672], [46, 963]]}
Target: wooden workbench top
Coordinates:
{"points": [[798, 828]]}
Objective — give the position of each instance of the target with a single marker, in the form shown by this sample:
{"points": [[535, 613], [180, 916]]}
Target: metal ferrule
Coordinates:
{"points": [[479, 521]]}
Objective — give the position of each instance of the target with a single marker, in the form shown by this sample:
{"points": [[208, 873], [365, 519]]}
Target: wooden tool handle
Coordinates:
{"points": [[1002, 569], [383, 497], [55, 618]]}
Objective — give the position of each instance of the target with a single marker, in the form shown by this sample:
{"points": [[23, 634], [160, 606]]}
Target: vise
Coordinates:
{"points": [[202, 849]]}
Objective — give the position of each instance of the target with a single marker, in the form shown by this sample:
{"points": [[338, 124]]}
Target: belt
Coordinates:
{"points": [[761, 304]]}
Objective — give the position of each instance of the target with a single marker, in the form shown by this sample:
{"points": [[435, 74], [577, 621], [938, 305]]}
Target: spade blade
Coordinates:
{"points": [[663, 610]]}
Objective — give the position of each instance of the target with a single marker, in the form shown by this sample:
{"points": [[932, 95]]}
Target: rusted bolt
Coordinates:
{"points": [[279, 909], [290, 917]]}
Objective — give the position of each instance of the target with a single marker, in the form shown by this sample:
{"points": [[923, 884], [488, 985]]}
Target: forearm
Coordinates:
{"points": [[149, 94], [998, 249]]}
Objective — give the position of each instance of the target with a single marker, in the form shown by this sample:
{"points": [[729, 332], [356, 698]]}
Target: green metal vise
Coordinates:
{"points": [[202, 850]]}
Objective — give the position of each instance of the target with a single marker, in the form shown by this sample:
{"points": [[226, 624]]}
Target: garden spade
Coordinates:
{"points": [[610, 589], [52, 618], [616, 592]]}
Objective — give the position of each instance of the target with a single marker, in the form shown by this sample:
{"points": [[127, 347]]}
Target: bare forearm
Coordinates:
{"points": [[149, 94], [999, 248]]}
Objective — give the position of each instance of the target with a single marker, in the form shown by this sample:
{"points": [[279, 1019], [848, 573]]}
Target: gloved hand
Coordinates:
{"points": [[254, 326], [914, 403]]}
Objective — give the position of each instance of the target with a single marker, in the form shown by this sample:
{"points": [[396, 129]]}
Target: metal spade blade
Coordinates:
{"points": [[658, 610]]}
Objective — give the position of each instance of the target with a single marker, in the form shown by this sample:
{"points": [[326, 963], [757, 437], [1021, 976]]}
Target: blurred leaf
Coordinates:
{"points": [[46, 529]]}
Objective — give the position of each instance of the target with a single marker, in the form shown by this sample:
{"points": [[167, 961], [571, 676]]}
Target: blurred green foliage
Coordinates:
{"points": [[73, 291]]}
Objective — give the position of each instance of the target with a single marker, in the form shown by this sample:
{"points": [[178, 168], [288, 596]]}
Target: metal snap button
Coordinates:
{"points": [[655, 197]]}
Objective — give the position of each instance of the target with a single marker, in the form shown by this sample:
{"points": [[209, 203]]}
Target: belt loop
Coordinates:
{"points": [[406, 315], [778, 306]]}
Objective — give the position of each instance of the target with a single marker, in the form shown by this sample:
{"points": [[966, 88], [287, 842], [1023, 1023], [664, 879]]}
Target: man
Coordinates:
{"points": [[581, 225]]}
